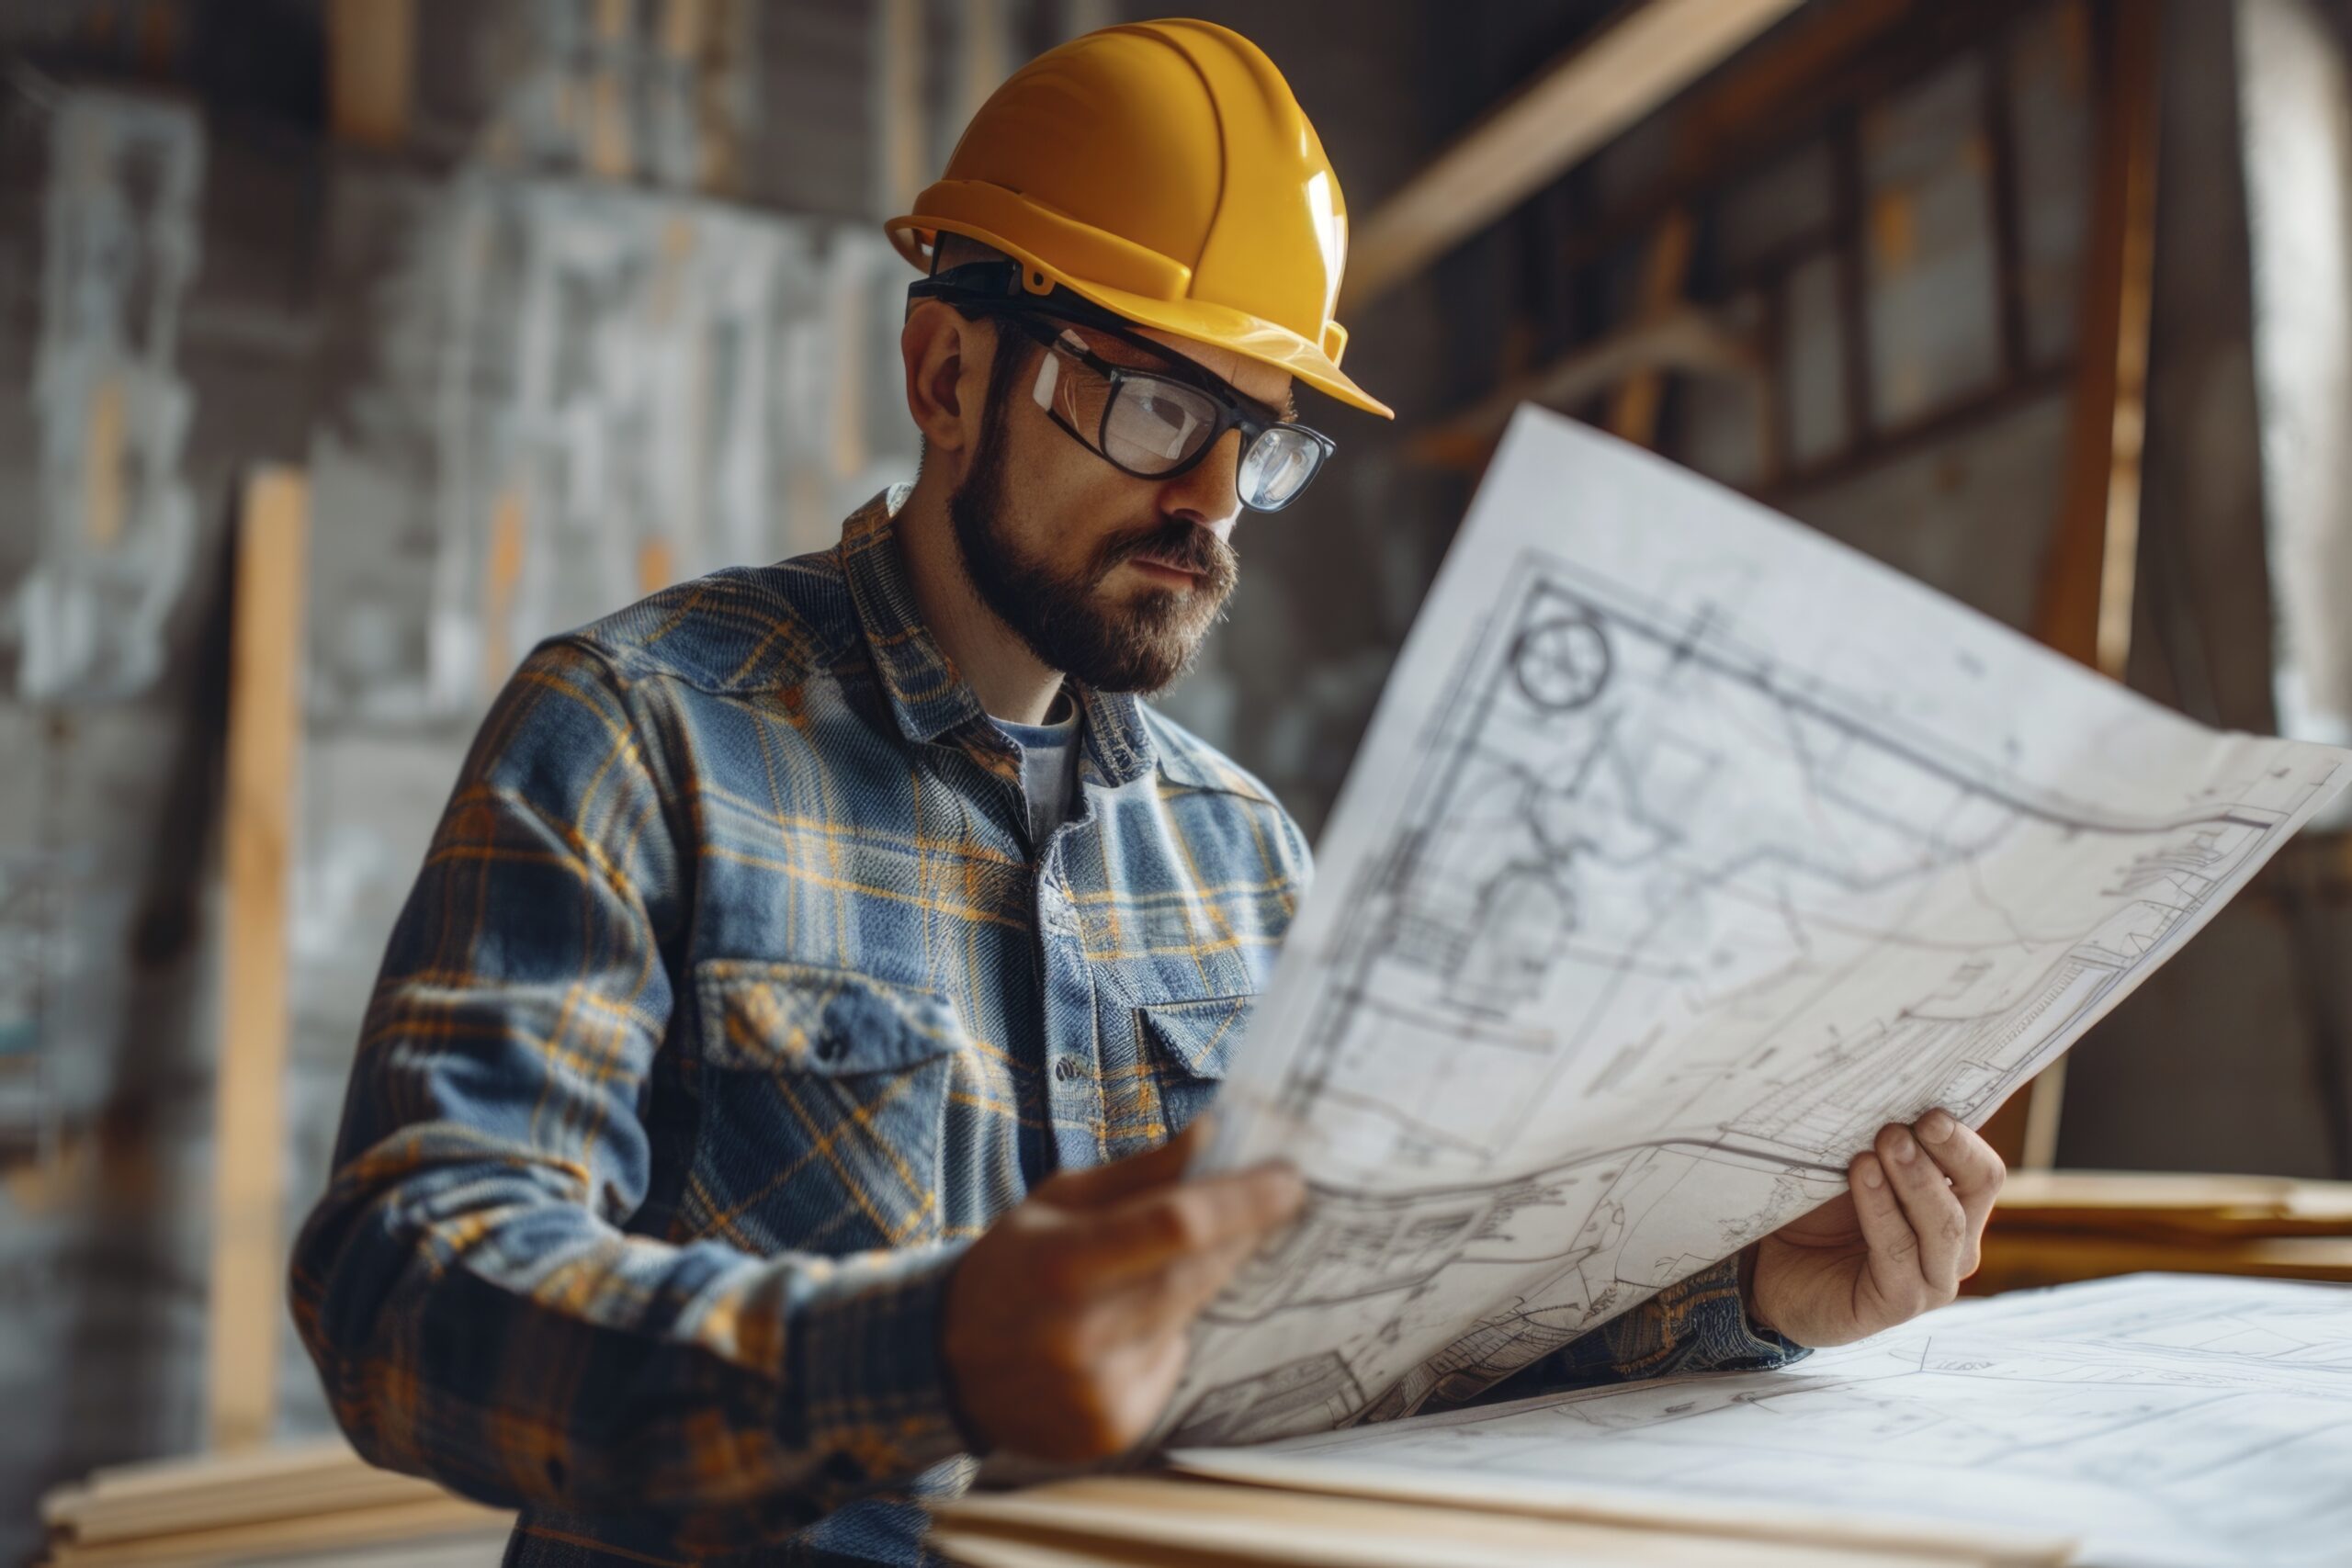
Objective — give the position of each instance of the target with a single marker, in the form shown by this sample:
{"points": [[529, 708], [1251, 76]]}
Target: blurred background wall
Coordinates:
{"points": [[556, 301]]}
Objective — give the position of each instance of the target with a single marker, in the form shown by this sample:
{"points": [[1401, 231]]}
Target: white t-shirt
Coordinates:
{"points": [[1048, 766]]}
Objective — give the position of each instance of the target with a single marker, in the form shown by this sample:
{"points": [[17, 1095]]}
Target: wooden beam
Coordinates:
{"points": [[1666, 276], [1221, 1514], [1574, 106], [249, 1123], [1686, 339], [1829, 62], [371, 70], [1859, 375], [2084, 610], [1998, 116], [983, 57], [901, 134], [2087, 586]]}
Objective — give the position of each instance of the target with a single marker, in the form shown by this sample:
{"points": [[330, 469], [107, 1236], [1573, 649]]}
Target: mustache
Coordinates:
{"points": [[1178, 542]]}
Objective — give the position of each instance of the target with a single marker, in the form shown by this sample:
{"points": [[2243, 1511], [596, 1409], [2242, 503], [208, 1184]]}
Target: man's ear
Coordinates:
{"points": [[946, 357]]}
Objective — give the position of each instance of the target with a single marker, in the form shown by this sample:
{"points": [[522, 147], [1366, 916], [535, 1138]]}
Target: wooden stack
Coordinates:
{"points": [[1176, 1521], [290, 1506], [2053, 1227]]}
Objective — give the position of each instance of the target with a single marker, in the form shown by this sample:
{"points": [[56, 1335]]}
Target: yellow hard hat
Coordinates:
{"points": [[1162, 171]]}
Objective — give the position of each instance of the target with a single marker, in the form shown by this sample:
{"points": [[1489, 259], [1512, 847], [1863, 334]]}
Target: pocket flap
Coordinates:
{"points": [[1198, 1036], [803, 1018]]}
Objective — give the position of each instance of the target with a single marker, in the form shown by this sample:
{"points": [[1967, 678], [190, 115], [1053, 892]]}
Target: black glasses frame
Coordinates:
{"points": [[976, 295]]}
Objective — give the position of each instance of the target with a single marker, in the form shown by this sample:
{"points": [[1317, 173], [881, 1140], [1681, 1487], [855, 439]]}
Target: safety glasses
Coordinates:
{"points": [[1156, 426], [1153, 424]]}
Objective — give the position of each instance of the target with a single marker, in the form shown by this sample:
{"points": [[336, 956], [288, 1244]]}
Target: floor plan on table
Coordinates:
{"points": [[2162, 1419]]}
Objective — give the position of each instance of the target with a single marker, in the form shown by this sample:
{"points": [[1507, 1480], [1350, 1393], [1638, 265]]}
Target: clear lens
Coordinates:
{"points": [[1277, 467], [1155, 425]]}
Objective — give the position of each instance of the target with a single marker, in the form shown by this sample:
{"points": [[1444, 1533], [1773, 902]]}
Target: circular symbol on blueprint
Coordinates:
{"points": [[1561, 663]]}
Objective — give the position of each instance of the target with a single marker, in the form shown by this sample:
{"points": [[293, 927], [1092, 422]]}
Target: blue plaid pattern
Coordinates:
{"points": [[731, 1002]]}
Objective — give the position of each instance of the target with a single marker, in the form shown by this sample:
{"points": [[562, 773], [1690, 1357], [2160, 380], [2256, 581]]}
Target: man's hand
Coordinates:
{"points": [[1067, 1323], [1899, 1241]]}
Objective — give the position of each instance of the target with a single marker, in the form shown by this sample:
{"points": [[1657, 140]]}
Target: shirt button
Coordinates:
{"points": [[1066, 1068]]}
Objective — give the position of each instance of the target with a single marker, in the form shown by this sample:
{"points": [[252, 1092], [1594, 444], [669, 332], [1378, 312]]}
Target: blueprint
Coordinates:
{"points": [[1687, 847], [2161, 1420]]}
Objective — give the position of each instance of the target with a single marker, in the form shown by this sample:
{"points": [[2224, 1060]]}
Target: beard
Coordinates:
{"points": [[1060, 612]]}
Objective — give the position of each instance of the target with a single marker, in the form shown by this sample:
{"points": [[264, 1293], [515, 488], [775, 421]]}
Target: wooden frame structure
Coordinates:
{"points": [[1575, 105]]}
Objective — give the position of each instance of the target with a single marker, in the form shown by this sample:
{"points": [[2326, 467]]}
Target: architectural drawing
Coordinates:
{"points": [[1687, 850], [2163, 1419]]}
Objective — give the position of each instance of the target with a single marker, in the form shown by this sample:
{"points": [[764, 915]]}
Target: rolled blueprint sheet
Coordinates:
{"points": [[1685, 849]]}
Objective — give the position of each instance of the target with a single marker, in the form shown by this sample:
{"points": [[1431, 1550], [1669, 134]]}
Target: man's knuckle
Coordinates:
{"points": [[1116, 1426], [1112, 1425], [1185, 1226]]}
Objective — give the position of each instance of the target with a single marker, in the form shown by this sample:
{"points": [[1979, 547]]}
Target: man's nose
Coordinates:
{"points": [[1206, 493]]}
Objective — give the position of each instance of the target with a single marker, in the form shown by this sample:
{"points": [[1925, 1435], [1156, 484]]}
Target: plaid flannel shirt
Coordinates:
{"points": [[731, 1002]]}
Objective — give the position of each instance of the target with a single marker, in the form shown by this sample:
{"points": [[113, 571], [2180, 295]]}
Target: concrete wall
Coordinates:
{"points": [[477, 345]]}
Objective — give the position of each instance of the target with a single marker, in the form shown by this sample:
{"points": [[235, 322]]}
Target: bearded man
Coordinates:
{"points": [[776, 1091]]}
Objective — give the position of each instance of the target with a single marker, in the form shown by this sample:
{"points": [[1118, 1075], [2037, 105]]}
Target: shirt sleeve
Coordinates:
{"points": [[1697, 1325], [476, 1306]]}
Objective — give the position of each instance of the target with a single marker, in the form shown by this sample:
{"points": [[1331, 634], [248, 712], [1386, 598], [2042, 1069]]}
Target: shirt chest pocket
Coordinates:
{"points": [[824, 1101], [1186, 1048]]}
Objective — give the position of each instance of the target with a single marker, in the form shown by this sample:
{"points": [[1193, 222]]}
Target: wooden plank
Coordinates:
{"points": [[1998, 119], [1166, 1520], [2022, 1261], [343, 1530], [1804, 1525], [2084, 607], [2088, 577], [277, 1465], [902, 128], [314, 1498], [1666, 277], [218, 1491], [1569, 110], [1688, 340], [249, 1129], [371, 71], [989, 1544], [2186, 1207], [984, 55], [103, 500], [1853, 281]]}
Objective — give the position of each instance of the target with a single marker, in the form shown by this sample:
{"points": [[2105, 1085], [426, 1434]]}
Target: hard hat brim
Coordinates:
{"points": [[1221, 326]]}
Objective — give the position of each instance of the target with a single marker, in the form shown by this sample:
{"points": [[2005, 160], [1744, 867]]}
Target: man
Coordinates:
{"points": [[774, 1093]]}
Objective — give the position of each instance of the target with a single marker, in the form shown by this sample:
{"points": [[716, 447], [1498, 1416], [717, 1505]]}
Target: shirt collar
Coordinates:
{"points": [[930, 701]]}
